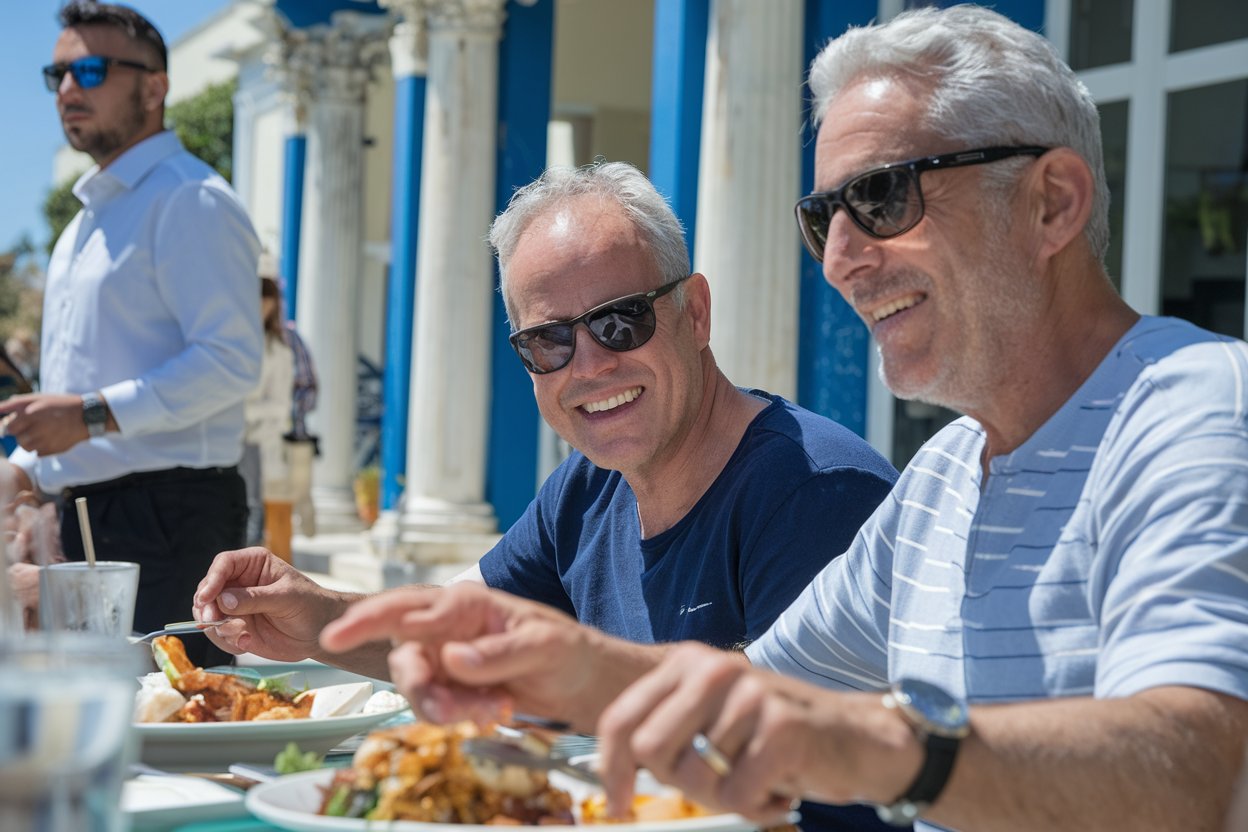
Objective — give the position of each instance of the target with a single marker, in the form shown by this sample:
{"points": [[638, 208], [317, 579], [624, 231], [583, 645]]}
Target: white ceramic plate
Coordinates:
{"points": [[212, 746], [165, 802], [291, 803]]}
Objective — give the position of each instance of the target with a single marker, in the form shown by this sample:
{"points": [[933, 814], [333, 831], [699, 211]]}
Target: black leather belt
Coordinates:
{"points": [[145, 478]]}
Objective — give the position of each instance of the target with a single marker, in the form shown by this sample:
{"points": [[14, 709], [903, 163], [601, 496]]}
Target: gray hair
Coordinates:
{"points": [[993, 83], [617, 182]]}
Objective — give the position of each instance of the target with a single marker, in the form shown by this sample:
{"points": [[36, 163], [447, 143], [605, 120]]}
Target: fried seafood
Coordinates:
{"points": [[211, 697], [418, 772]]}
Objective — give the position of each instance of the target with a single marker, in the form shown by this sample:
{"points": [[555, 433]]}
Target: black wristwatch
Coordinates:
{"points": [[940, 721], [94, 414]]}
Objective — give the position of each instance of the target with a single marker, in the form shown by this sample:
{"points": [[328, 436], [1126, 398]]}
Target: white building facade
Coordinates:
{"points": [[374, 141]]}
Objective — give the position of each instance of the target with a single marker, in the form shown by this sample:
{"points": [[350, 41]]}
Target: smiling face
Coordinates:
{"points": [[106, 120], [623, 410], [946, 300]]}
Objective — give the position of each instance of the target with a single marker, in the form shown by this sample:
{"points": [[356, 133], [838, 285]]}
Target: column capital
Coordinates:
{"points": [[480, 17], [289, 62], [330, 62], [409, 44]]}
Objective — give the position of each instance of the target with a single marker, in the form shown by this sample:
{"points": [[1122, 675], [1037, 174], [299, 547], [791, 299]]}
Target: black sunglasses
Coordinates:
{"points": [[88, 72], [886, 201], [622, 324]]}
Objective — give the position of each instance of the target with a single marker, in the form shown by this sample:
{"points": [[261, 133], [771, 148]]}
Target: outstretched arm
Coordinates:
{"points": [[466, 651], [1165, 758], [277, 612]]}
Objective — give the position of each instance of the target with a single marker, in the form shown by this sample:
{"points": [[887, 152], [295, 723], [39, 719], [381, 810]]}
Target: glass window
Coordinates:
{"points": [[1206, 202], [1196, 23], [1114, 146], [1100, 32]]}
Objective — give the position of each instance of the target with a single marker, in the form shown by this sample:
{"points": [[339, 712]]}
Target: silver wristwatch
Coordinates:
{"points": [[94, 414], [940, 722]]}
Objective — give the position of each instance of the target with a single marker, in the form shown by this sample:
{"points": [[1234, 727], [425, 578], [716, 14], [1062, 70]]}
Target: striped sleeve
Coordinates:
{"points": [[1172, 528]]}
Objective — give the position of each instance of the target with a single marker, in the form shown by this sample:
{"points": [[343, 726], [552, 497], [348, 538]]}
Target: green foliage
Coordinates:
{"points": [[59, 207], [205, 124], [21, 304]]}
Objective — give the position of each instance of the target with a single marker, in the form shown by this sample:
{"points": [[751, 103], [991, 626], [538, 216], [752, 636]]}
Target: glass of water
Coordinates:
{"points": [[65, 738]]}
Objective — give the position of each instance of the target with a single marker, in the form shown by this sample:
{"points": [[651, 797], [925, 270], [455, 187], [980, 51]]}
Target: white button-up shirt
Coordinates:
{"points": [[152, 298]]}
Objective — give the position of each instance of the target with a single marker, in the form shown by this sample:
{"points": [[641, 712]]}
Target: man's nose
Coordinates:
{"points": [[850, 252], [591, 358], [68, 87]]}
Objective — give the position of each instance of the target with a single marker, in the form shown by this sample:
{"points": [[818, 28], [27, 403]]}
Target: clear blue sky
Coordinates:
{"points": [[29, 130]]}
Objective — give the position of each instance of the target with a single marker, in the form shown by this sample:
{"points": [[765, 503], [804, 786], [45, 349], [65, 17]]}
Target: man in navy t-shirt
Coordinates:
{"points": [[691, 509]]}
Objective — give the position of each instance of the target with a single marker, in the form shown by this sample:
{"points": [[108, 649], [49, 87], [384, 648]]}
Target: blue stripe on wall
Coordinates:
{"points": [[680, 28], [409, 128], [1029, 13], [292, 218], [832, 340], [524, 71]]}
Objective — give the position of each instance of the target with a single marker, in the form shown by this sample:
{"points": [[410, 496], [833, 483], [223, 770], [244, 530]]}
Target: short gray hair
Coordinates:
{"points": [[618, 182], [993, 83]]}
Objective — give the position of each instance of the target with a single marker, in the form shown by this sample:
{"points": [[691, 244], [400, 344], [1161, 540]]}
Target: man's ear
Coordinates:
{"points": [[155, 88], [1062, 188], [698, 308]]}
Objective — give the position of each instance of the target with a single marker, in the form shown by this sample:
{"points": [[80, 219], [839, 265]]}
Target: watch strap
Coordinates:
{"points": [[937, 766], [939, 754], [94, 414]]}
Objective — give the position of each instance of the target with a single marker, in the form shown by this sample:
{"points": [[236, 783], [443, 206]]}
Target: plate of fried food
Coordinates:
{"points": [[187, 717], [415, 778]]}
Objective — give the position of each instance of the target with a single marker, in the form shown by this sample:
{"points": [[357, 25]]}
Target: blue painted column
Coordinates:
{"points": [[832, 339], [524, 87], [680, 28], [1027, 13], [409, 128], [292, 217]]}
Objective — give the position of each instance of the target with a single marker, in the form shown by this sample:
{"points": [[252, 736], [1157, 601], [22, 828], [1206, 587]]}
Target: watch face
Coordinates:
{"points": [[933, 704]]}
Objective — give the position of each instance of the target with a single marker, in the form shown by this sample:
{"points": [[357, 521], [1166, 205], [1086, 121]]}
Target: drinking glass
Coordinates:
{"points": [[65, 738], [79, 596]]}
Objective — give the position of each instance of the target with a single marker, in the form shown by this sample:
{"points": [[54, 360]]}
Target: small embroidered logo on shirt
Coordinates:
{"points": [[685, 609]]}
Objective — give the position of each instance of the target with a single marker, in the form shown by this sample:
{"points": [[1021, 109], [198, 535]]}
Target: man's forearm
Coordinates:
{"points": [[1163, 759]]}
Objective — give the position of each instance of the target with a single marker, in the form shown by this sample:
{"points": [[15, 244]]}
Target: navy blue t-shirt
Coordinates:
{"points": [[791, 498]]}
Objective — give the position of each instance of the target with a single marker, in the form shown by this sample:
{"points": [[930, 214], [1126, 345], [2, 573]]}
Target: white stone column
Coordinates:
{"points": [[748, 179], [445, 492], [339, 60]]}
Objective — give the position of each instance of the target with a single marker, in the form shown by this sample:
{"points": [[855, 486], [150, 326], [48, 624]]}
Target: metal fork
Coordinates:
{"points": [[564, 744], [180, 627], [508, 754], [231, 779]]}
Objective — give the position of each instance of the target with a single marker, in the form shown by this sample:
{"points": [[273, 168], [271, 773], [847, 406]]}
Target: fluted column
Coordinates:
{"points": [[455, 275], [340, 59], [747, 184]]}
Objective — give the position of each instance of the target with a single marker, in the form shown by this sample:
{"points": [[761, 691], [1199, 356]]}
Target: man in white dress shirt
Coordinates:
{"points": [[151, 328]]}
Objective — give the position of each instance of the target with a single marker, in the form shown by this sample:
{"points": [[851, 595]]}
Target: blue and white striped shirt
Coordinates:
{"points": [[1108, 554]]}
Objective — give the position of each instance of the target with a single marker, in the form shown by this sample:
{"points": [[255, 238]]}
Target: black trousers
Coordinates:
{"points": [[172, 523]]}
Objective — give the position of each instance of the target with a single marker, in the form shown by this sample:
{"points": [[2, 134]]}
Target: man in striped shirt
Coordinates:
{"points": [[1056, 591]]}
